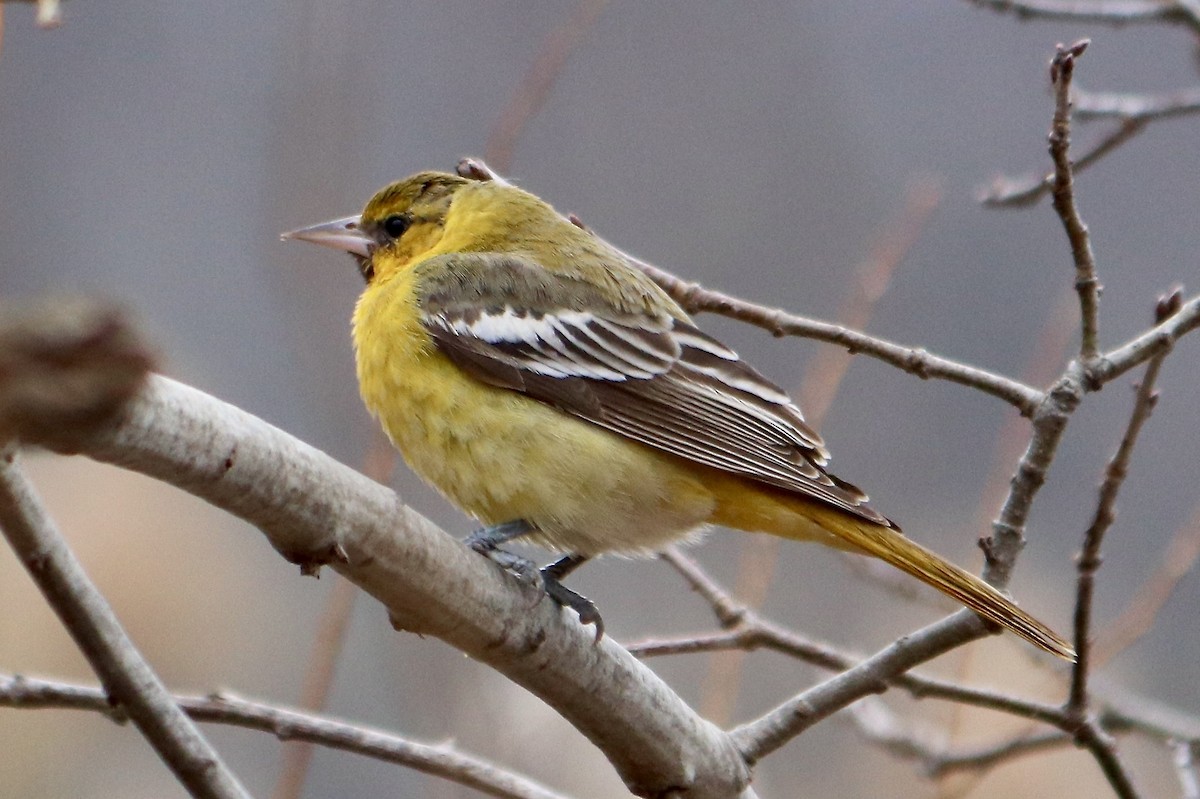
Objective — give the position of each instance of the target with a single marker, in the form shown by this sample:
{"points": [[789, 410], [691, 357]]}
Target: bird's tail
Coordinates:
{"points": [[845, 531]]}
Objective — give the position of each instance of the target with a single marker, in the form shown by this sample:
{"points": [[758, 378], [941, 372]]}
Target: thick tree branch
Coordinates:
{"points": [[316, 511]]}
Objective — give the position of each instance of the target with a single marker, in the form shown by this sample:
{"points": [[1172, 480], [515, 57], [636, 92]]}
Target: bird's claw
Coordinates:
{"points": [[486, 541]]}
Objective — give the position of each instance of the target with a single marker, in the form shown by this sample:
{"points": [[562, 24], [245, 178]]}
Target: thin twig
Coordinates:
{"points": [[1046, 358], [1045, 362], [1123, 710], [729, 611], [287, 724], [1116, 711], [1062, 68], [1133, 113], [1106, 513], [943, 764], [753, 631], [1019, 193], [1158, 339], [872, 277], [764, 735], [1135, 107], [914, 360], [882, 728], [1110, 12], [90, 621]]}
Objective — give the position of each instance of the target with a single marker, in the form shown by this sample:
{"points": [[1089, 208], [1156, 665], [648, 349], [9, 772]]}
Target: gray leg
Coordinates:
{"points": [[487, 540]]}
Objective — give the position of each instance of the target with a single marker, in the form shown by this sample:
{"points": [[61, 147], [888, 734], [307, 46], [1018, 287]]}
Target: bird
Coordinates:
{"points": [[551, 390]]}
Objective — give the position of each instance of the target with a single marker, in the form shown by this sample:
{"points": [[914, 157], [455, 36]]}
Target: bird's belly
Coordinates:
{"points": [[501, 456]]}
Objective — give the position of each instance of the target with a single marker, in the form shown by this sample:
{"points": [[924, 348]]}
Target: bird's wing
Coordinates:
{"points": [[628, 366]]}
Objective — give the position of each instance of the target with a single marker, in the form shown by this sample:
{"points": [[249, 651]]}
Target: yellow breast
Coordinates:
{"points": [[501, 456]]}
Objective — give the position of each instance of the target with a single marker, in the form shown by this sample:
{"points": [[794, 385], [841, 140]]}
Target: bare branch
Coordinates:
{"points": [[1018, 193], [764, 735], [1062, 68], [1110, 12], [1133, 113], [751, 631], [944, 763], [1158, 339], [741, 638], [1134, 107], [90, 621], [1124, 710], [1091, 736], [287, 724], [1106, 513], [823, 377], [914, 360], [818, 387], [880, 727], [728, 610]]}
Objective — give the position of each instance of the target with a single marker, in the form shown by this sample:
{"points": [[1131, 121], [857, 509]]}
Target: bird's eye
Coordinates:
{"points": [[396, 224]]}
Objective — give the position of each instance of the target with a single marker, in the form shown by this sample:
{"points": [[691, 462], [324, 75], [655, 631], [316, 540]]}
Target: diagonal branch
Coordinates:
{"points": [[316, 511], [1155, 341], [88, 618], [1018, 193], [1106, 513]]}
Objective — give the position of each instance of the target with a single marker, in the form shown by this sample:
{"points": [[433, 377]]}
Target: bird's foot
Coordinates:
{"points": [[586, 608], [487, 540]]}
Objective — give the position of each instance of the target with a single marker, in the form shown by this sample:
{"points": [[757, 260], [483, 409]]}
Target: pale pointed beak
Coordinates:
{"points": [[343, 235]]}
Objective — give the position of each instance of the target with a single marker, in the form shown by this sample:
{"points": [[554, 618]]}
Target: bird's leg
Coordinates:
{"points": [[487, 540], [551, 579]]}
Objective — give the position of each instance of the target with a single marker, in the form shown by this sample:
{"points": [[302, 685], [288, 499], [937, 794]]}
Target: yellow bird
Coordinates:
{"points": [[553, 391]]}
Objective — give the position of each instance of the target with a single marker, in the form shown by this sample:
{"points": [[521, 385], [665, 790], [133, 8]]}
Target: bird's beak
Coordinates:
{"points": [[338, 234]]}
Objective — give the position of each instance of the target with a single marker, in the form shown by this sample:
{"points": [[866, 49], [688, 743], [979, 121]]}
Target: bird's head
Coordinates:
{"points": [[401, 224]]}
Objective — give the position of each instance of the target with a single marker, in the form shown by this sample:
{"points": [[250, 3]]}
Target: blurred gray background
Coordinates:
{"points": [[152, 152]]}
